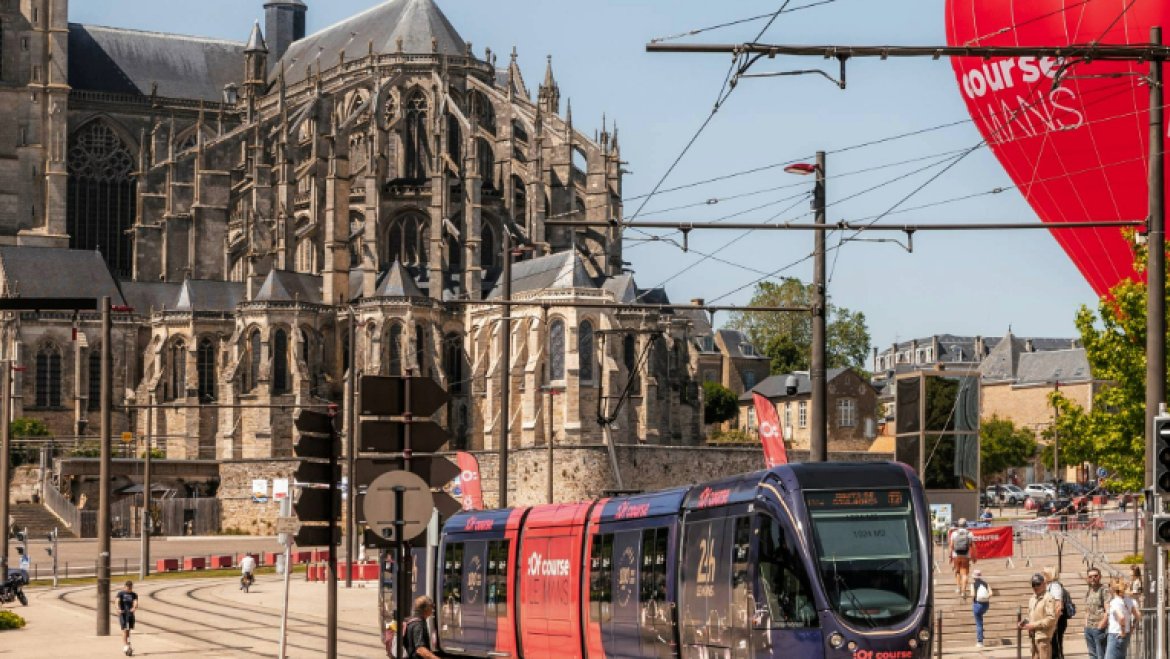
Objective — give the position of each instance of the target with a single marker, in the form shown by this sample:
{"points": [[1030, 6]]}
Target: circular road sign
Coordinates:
{"points": [[381, 511], [1101, 473]]}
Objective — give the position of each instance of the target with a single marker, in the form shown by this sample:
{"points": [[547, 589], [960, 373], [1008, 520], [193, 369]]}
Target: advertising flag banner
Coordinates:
{"points": [[995, 542], [770, 434], [470, 489]]}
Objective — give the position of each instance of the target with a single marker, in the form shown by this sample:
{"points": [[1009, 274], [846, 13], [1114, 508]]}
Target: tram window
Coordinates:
{"points": [[654, 566], [784, 583], [497, 578], [452, 598], [706, 596], [600, 578], [743, 605]]}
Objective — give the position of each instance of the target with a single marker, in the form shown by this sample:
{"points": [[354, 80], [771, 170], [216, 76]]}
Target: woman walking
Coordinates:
{"points": [[981, 601], [1121, 621]]}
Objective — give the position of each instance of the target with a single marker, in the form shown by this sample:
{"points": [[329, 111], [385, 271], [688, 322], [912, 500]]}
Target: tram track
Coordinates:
{"points": [[206, 626]]}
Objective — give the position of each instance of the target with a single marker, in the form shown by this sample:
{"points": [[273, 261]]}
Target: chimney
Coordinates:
{"points": [[698, 302], [1029, 346], [875, 360], [914, 351], [980, 348], [284, 23]]}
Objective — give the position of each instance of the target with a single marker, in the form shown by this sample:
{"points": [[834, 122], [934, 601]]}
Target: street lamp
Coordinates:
{"points": [[818, 439]]}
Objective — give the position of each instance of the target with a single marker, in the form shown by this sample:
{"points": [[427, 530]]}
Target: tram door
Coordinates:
{"points": [[785, 622], [624, 637], [707, 615]]}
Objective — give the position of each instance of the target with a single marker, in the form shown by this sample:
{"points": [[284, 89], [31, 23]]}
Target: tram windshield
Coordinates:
{"points": [[868, 553]]}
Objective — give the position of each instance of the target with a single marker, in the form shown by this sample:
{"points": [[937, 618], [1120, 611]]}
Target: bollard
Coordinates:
{"points": [[1019, 633], [66, 569], [125, 566]]}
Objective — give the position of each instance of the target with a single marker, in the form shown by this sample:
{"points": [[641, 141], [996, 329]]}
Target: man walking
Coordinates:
{"points": [[417, 639], [1041, 622], [960, 546], [1064, 610], [1096, 620], [127, 602]]}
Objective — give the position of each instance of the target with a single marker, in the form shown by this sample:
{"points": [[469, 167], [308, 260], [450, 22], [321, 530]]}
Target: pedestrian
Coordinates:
{"points": [[127, 602], [1064, 610], [1120, 622], [1136, 586], [1096, 620], [1122, 502], [961, 546], [1041, 622], [981, 593], [417, 639]]}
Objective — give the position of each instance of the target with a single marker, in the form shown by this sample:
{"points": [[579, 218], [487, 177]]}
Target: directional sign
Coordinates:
{"points": [[386, 396], [390, 436], [315, 536], [287, 524], [314, 505], [432, 468], [315, 472], [380, 507]]}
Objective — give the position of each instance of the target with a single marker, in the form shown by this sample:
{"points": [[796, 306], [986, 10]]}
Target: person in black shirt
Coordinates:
{"points": [[127, 601], [417, 640]]}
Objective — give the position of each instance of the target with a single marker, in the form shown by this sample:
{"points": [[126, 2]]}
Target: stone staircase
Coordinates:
{"points": [[38, 519]]}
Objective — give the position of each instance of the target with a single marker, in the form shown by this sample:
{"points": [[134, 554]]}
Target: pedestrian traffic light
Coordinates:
{"points": [[1162, 454], [396, 433], [1162, 530], [317, 474]]}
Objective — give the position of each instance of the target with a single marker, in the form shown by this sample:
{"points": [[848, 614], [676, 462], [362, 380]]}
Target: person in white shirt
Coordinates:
{"points": [[247, 570], [1120, 623], [1056, 592]]}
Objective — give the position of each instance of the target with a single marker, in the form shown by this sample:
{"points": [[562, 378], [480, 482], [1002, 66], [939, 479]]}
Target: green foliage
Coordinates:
{"points": [[786, 338], [1003, 445], [90, 448], [10, 620], [24, 427], [734, 436], [719, 403], [1112, 433], [156, 453], [1133, 559]]}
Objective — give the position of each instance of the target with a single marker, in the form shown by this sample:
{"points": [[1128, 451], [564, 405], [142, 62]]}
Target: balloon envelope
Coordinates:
{"points": [[1073, 136]]}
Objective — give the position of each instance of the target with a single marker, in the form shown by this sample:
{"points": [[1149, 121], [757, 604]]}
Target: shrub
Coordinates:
{"points": [[9, 620], [720, 403], [734, 436], [1133, 559]]}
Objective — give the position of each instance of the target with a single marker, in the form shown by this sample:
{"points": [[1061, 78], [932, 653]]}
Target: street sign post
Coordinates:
{"points": [[383, 511]]}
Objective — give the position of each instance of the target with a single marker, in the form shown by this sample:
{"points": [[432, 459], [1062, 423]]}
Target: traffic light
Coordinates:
{"points": [[317, 475], [1162, 530], [1162, 454], [397, 434]]}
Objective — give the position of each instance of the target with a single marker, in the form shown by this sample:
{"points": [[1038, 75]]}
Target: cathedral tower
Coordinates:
{"points": [[284, 23]]}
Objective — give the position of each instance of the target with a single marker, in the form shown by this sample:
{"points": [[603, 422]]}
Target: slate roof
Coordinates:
{"points": [[397, 282], [776, 386], [561, 270], [623, 288], [208, 295], [414, 21], [1001, 362], [56, 272], [144, 296], [1053, 366], [285, 286], [733, 342], [130, 61]]}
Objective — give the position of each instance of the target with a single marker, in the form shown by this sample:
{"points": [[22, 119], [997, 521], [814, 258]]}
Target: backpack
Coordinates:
{"points": [[961, 541], [407, 645], [983, 594], [1066, 603]]}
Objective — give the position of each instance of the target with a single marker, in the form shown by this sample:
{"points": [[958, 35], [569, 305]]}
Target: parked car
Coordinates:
{"points": [[1040, 491], [1008, 494], [1055, 507]]}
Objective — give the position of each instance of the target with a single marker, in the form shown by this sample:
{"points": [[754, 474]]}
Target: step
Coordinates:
{"points": [[38, 520]]}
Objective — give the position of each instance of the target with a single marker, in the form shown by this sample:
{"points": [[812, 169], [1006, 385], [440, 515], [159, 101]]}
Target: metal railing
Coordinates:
{"points": [[62, 507]]}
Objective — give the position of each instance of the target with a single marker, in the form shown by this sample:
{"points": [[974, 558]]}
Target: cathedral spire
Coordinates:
{"points": [[549, 94]]}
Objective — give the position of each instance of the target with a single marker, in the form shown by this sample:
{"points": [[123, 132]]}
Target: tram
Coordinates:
{"points": [[827, 560]]}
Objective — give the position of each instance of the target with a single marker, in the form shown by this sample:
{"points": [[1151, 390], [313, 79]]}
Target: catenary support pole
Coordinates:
{"points": [[103, 558], [506, 370], [1156, 293], [818, 442], [350, 448], [286, 538], [147, 518], [5, 449]]}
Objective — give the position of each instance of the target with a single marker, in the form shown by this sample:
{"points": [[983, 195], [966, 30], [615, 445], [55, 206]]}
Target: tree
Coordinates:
{"points": [[719, 403], [24, 427], [786, 338], [1003, 445], [1112, 433]]}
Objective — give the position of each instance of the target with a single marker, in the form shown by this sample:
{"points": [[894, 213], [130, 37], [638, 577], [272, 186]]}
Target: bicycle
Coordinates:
{"points": [[246, 581]]}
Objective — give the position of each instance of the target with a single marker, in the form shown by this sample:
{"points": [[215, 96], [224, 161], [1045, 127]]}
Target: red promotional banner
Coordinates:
{"points": [[995, 542], [770, 434], [471, 490]]}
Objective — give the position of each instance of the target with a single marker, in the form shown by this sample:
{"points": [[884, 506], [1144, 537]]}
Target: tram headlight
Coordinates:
{"points": [[913, 643], [924, 634], [852, 646], [836, 640]]}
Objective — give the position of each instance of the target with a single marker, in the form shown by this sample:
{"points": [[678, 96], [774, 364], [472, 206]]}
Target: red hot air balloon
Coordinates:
{"points": [[1073, 136]]}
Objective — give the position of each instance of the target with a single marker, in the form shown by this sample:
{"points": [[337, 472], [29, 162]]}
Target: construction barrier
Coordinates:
{"points": [[167, 565], [195, 563], [221, 562]]}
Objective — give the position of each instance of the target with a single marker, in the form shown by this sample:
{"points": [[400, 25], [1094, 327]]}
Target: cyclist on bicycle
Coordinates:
{"points": [[247, 569]]}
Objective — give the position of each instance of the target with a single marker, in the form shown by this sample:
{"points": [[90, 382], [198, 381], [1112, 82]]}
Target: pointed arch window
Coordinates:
{"points": [[488, 248], [406, 241], [205, 369], [630, 359], [420, 349], [395, 349], [485, 163], [453, 361], [101, 195], [49, 376], [519, 201], [454, 140], [280, 379], [481, 108], [95, 380], [556, 350], [177, 386], [585, 350], [417, 146], [252, 357]]}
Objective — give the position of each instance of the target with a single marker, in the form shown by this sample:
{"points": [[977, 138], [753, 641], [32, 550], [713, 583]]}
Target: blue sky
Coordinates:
{"points": [[963, 283]]}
